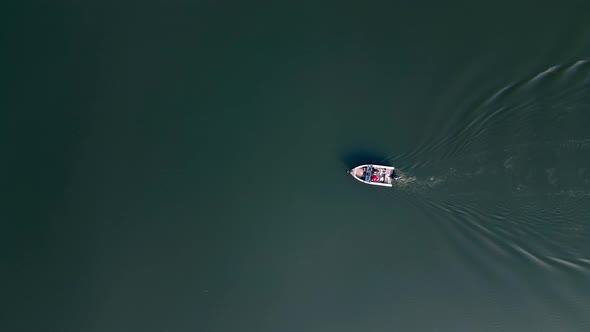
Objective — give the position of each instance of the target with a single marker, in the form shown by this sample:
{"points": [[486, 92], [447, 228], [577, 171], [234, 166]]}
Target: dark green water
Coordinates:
{"points": [[180, 166]]}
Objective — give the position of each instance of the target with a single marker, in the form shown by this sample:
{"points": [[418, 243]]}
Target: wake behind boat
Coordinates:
{"points": [[376, 175]]}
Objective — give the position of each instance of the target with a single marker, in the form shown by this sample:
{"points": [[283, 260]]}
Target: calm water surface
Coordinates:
{"points": [[180, 166]]}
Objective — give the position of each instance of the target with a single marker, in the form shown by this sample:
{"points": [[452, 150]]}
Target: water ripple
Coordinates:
{"points": [[510, 174]]}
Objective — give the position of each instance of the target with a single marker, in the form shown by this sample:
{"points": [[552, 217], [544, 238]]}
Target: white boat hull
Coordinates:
{"points": [[375, 175]]}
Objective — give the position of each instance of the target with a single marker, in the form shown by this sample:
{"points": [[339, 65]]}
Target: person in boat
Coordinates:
{"points": [[374, 177]]}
